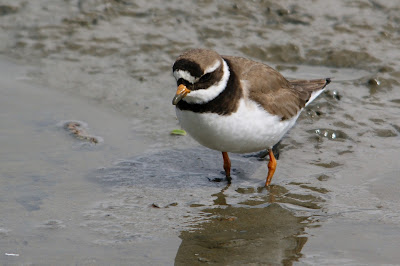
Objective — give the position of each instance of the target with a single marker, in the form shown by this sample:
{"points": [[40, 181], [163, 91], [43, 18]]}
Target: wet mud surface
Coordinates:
{"points": [[90, 174]]}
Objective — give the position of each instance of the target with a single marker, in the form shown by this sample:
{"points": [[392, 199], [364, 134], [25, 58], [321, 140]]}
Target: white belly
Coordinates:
{"points": [[249, 129]]}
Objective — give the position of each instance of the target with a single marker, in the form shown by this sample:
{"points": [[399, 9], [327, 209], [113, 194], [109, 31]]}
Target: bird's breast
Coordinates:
{"points": [[249, 129]]}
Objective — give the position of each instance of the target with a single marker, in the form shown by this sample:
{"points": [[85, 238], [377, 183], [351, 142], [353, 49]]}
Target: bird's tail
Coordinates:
{"points": [[314, 87]]}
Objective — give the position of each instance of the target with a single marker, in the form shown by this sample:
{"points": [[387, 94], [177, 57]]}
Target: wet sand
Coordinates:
{"points": [[46, 196], [141, 196]]}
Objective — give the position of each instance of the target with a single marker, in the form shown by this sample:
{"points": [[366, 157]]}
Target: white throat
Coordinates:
{"points": [[206, 95]]}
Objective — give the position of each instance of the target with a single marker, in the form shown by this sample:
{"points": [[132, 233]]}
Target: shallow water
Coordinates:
{"points": [[141, 196]]}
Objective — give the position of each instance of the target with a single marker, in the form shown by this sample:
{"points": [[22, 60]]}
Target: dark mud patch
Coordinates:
{"points": [[7, 10], [341, 58], [176, 169], [288, 53]]}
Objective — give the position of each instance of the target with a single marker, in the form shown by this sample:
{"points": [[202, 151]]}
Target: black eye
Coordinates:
{"points": [[205, 77]]}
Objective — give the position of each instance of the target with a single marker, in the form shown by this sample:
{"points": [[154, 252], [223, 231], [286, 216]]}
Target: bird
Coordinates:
{"points": [[237, 105]]}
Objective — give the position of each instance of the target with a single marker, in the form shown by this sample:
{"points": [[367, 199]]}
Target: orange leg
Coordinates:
{"points": [[271, 167], [227, 166]]}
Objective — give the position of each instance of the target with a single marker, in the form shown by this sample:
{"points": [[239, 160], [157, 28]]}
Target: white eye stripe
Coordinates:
{"points": [[183, 74], [213, 67], [178, 74]]}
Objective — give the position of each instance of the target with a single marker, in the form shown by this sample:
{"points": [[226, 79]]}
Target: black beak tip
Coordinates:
{"points": [[176, 99]]}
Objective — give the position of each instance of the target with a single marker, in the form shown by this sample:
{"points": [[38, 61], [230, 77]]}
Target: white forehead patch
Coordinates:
{"points": [[183, 74]]}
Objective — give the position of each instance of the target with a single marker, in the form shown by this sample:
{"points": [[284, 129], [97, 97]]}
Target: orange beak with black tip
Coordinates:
{"points": [[181, 93]]}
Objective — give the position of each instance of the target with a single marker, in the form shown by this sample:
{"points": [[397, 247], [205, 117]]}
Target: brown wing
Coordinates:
{"points": [[284, 98], [271, 90]]}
